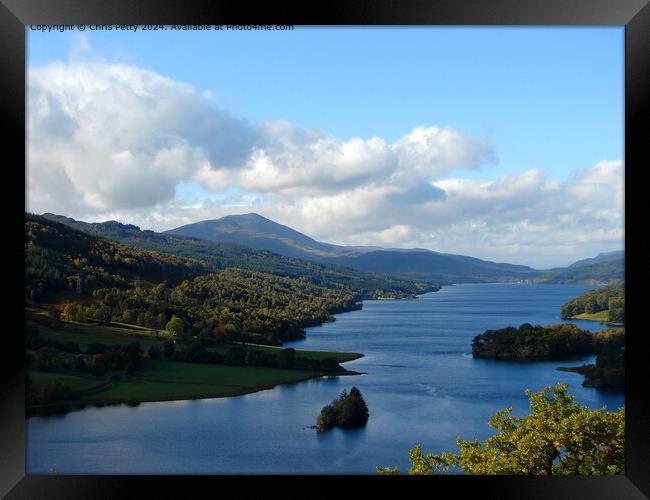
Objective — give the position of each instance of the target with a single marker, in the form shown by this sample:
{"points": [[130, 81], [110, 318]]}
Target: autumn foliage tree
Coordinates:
{"points": [[175, 326], [558, 437]]}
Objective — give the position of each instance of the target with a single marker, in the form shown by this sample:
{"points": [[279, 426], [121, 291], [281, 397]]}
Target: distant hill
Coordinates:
{"points": [[617, 255], [610, 271], [501, 266], [261, 233], [434, 266]]}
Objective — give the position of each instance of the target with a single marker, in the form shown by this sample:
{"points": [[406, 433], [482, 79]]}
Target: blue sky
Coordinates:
{"points": [[549, 99]]}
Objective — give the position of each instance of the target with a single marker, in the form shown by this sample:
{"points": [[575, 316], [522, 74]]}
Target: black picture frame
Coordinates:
{"points": [[633, 14]]}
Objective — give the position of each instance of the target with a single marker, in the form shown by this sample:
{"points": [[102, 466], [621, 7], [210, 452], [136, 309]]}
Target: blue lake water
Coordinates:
{"points": [[420, 382]]}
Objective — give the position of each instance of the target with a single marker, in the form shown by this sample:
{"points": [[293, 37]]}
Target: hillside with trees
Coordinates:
{"points": [[60, 259], [228, 305], [600, 272], [606, 304], [251, 241]]}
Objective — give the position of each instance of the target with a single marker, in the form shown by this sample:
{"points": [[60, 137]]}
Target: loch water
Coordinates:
{"points": [[420, 382]]}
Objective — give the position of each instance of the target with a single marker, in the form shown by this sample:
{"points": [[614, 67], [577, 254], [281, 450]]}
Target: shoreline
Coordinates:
{"points": [[602, 322], [51, 409]]}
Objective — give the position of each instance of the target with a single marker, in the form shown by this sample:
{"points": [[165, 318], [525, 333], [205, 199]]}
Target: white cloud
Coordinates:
{"points": [[324, 165], [108, 128], [434, 151], [214, 179], [604, 180], [394, 235], [123, 137]]}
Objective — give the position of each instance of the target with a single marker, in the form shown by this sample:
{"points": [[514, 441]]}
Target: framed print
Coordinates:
{"points": [[276, 245]]}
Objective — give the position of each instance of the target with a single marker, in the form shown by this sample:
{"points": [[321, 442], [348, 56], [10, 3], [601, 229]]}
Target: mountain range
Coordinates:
{"points": [[250, 234]]}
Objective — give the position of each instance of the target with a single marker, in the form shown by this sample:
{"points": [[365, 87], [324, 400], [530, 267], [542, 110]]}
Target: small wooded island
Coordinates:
{"points": [[348, 410], [530, 342]]}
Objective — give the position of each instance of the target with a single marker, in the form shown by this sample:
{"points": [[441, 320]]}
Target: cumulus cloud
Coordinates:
{"points": [[114, 141], [123, 137], [289, 159], [215, 179], [394, 235], [603, 181], [521, 218], [524, 214], [434, 151]]}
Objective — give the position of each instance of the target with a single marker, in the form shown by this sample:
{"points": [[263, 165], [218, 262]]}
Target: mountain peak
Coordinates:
{"points": [[110, 226], [58, 218], [249, 217], [256, 231]]}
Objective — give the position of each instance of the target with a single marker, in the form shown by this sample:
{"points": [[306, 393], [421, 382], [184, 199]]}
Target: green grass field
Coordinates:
{"points": [[602, 316], [77, 382], [86, 333], [170, 380], [597, 316], [160, 380]]}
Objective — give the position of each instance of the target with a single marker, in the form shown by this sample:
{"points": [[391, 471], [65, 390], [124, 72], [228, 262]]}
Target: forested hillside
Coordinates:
{"points": [[600, 272], [226, 255], [105, 281], [60, 259], [228, 305], [609, 300]]}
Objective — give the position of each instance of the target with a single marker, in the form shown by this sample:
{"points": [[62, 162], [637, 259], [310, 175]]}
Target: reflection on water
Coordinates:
{"points": [[421, 384]]}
